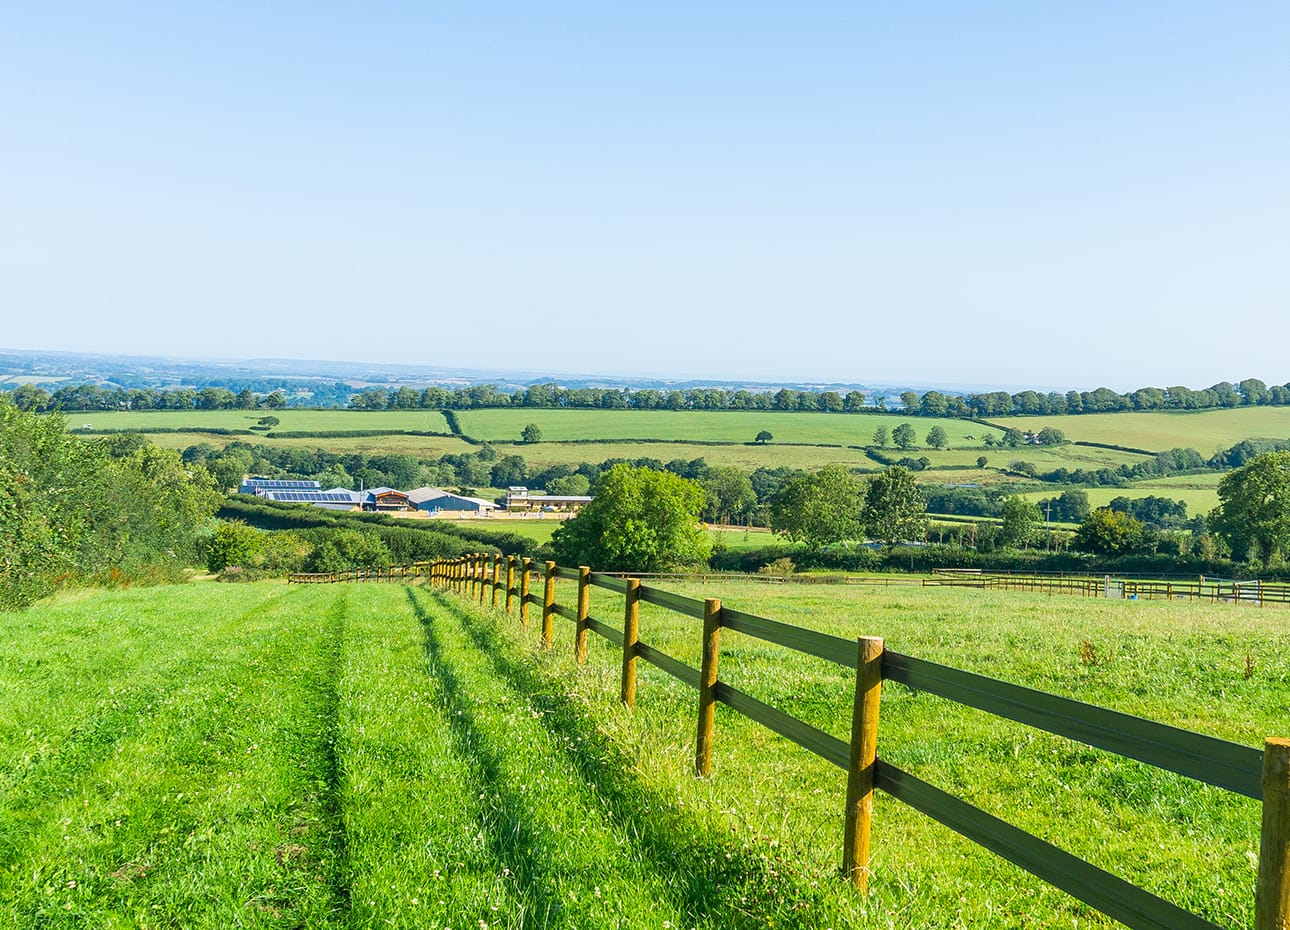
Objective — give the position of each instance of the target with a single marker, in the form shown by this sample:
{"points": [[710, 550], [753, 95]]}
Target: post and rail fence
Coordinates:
{"points": [[1263, 775]]}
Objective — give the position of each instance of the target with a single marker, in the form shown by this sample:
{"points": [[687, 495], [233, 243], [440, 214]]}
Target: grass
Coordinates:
{"points": [[715, 425], [1198, 500], [1206, 431], [291, 419], [369, 756]]}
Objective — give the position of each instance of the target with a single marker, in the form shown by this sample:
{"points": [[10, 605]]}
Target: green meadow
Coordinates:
{"points": [[1198, 500], [1206, 431], [711, 425], [291, 419], [274, 756]]}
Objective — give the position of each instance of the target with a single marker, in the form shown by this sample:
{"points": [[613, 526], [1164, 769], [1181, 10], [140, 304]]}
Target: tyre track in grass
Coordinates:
{"points": [[667, 865], [80, 733], [416, 854], [217, 813]]}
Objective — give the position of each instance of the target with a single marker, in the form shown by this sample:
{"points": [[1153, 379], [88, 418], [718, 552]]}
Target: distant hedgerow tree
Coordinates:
{"points": [[903, 436], [531, 433]]}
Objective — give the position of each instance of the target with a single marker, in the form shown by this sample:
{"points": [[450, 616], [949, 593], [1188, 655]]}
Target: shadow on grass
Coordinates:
{"points": [[512, 838], [331, 807], [715, 879]]}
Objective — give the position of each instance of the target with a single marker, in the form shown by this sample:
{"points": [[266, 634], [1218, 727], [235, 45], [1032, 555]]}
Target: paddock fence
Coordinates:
{"points": [[508, 582]]}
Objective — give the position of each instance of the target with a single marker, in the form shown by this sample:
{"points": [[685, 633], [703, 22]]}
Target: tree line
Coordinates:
{"points": [[114, 510], [88, 397]]}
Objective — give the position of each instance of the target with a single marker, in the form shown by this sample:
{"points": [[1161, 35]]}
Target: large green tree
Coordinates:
{"points": [[819, 508], [1021, 519], [894, 507], [1253, 514], [730, 494], [1107, 532], [639, 520], [904, 436]]}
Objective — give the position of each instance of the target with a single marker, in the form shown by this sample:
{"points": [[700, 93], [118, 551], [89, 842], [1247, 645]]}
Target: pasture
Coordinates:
{"points": [[1206, 431], [1199, 501], [712, 425], [296, 418], [374, 755]]}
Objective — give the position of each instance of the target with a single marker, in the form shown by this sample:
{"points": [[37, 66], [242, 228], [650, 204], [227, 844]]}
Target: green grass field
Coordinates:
{"points": [[368, 756], [712, 425], [1206, 431], [293, 419], [1198, 500]]}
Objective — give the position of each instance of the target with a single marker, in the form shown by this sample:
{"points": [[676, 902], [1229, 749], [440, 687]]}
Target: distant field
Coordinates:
{"points": [[294, 419], [713, 425], [1199, 500], [1205, 431]]}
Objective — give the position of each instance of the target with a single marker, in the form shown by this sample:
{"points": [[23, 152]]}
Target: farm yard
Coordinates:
{"points": [[389, 755]]}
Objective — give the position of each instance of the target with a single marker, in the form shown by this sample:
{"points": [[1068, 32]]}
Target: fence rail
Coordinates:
{"points": [[1260, 774]]}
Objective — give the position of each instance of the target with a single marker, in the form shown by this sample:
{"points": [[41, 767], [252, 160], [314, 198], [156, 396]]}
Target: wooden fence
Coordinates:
{"points": [[1262, 775]]}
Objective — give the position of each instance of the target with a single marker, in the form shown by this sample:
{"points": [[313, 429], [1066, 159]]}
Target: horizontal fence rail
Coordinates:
{"points": [[1260, 774]]}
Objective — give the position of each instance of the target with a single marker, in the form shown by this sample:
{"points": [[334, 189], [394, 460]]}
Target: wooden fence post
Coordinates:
{"points": [[510, 582], [708, 687], [1272, 901], [864, 751], [485, 561], [526, 576], [580, 624], [631, 636], [548, 606]]}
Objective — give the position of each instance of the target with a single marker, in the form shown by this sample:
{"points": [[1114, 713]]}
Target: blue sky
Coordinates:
{"points": [[1057, 195]]}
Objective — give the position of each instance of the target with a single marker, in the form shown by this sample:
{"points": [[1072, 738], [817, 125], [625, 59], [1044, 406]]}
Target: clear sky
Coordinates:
{"points": [[1018, 193]]}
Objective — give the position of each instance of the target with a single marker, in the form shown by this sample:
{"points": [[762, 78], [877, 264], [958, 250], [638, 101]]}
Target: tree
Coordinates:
{"points": [[894, 507], [764, 436], [1253, 514], [509, 471], [730, 494], [819, 508], [639, 520], [982, 461], [233, 543], [904, 436], [1107, 532], [936, 438], [881, 437], [574, 485], [1021, 519], [1051, 436], [531, 433]]}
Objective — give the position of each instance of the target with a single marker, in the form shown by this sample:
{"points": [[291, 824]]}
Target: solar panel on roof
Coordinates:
{"points": [[276, 484], [311, 497]]}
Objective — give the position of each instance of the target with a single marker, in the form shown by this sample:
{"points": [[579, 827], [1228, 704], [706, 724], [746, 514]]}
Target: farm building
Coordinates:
{"points": [[519, 500], [257, 485], [435, 501], [386, 500]]}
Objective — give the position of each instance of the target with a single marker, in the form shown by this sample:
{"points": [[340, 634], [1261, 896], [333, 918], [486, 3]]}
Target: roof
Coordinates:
{"points": [[255, 485], [560, 499], [480, 501], [347, 498], [421, 495]]}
